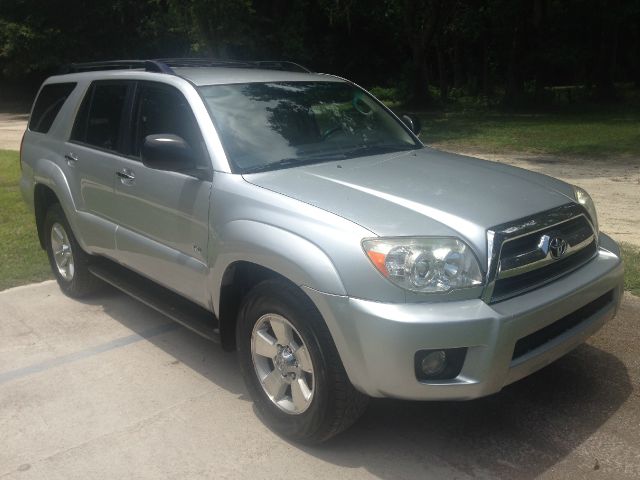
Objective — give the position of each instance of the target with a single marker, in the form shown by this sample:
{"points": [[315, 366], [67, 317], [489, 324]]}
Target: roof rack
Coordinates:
{"points": [[147, 65], [166, 65], [212, 62], [281, 65]]}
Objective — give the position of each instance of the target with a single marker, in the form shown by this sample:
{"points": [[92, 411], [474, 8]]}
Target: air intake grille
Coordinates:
{"points": [[548, 333]]}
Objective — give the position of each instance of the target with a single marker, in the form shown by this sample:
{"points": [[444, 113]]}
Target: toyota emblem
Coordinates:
{"points": [[558, 247]]}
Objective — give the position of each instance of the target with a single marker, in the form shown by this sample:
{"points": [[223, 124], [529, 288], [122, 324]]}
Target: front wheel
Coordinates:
{"points": [[291, 366]]}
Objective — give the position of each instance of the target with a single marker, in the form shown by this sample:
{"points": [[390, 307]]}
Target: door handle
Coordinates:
{"points": [[71, 159], [127, 177]]}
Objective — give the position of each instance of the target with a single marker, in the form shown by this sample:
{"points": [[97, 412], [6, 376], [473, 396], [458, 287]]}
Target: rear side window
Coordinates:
{"points": [[48, 104], [100, 118]]}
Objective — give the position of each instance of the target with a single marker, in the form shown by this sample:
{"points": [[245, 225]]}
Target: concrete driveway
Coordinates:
{"points": [[107, 388], [12, 127]]}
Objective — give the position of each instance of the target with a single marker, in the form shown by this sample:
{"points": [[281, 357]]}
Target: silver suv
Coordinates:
{"points": [[293, 217]]}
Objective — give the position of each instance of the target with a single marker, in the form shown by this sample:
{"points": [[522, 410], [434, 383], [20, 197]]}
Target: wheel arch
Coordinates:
{"points": [[51, 186], [43, 198], [262, 251]]}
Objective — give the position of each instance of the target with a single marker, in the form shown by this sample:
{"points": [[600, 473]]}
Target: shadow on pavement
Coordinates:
{"points": [[201, 355], [518, 433]]}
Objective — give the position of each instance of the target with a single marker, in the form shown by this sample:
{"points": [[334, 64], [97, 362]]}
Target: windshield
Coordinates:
{"points": [[265, 126]]}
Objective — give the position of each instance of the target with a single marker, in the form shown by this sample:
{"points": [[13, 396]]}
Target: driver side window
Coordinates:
{"points": [[162, 109]]}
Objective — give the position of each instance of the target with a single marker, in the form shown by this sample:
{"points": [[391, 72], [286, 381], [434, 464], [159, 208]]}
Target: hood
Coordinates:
{"points": [[421, 192]]}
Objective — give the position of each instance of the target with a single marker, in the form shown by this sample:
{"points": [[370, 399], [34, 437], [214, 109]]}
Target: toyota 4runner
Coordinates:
{"points": [[293, 217]]}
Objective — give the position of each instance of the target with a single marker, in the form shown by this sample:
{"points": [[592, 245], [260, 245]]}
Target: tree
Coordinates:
{"points": [[215, 27], [38, 37], [514, 49]]}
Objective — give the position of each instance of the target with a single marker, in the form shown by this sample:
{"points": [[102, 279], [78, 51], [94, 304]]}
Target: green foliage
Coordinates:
{"points": [[588, 129], [388, 95], [588, 134], [631, 257], [516, 52], [21, 258], [213, 26], [39, 37]]}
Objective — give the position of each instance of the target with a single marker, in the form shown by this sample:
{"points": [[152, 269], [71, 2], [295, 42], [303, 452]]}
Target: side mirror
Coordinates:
{"points": [[413, 122], [167, 152]]}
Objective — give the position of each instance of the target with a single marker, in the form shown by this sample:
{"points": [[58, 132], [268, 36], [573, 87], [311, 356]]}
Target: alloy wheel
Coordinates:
{"points": [[282, 363], [62, 254]]}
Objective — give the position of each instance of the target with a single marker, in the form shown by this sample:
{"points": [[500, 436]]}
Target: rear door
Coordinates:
{"points": [[162, 215], [92, 154]]}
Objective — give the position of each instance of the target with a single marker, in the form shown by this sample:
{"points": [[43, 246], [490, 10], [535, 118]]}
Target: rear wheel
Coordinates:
{"points": [[291, 366], [69, 263]]}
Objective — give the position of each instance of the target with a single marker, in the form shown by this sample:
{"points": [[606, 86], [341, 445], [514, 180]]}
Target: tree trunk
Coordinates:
{"points": [[458, 66], [634, 56], [487, 87], [422, 21], [442, 73], [607, 61], [515, 85], [420, 96], [537, 45]]}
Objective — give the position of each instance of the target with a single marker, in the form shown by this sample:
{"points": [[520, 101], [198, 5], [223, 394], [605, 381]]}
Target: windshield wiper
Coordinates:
{"points": [[320, 157], [374, 149], [295, 162]]}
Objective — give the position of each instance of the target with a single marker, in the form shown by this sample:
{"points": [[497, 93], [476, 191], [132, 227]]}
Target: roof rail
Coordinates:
{"points": [[212, 62], [147, 65], [201, 62], [166, 65], [281, 65]]}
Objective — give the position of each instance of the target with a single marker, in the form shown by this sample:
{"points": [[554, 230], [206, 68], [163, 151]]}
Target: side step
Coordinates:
{"points": [[177, 308]]}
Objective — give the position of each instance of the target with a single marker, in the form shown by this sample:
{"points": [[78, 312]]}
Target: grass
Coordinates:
{"points": [[21, 258], [631, 256], [591, 134], [603, 134]]}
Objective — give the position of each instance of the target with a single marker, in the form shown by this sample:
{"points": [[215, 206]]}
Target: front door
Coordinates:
{"points": [[163, 216]]}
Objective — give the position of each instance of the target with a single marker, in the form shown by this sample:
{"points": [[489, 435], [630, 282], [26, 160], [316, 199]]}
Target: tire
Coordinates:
{"points": [[330, 403], [74, 277]]}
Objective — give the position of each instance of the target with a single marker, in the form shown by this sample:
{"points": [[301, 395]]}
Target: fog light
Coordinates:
{"points": [[441, 364], [434, 363]]}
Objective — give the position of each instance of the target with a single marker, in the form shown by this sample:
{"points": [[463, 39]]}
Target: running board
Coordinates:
{"points": [[163, 300]]}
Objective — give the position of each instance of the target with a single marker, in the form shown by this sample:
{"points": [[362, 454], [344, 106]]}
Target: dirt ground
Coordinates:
{"points": [[614, 185]]}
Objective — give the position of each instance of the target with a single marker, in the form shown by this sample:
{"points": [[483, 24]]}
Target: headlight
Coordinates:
{"points": [[424, 264], [586, 201]]}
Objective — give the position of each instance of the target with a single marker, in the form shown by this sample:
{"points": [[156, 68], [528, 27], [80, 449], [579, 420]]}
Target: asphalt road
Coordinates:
{"points": [[107, 388]]}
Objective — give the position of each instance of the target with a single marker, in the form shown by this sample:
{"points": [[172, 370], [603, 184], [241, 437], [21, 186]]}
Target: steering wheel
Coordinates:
{"points": [[330, 131], [360, 105]]}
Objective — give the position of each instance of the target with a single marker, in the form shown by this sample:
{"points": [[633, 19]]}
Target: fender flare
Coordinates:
{"points": [[50, 175], [284, 252]]}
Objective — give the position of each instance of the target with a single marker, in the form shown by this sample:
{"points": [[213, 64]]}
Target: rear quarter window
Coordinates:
{"points": [[48, 104]]}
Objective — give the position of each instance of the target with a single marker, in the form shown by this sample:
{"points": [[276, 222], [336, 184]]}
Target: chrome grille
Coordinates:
{"points": [[525, 254]]}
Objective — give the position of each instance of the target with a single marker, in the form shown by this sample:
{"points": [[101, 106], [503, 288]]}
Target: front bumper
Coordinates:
{"points": [[377, 342]]}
